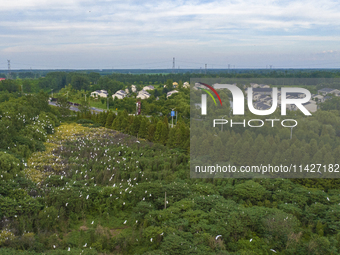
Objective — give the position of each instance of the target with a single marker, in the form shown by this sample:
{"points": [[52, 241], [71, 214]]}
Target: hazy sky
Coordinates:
{"points": [[148, 34]]}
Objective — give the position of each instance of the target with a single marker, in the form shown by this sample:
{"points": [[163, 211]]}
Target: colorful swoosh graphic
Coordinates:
{"points": [[207, 91], [213, 90]]}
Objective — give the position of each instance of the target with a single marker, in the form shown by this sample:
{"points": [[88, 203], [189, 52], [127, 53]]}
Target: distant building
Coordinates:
{"points": [[100, 93], [133, 88], [295, 95], [2, 79], [290, 107], [175, 84], [263, 98], [311, 106], [143, 94], [262, 106], [170, 93], [257, 96], [199, 86], [263, 86], [120, 94], [150, 87], [186, 85], [326, 91], [254, 85], [318, 98], [127, 91], [262, 91], [214, 85]]}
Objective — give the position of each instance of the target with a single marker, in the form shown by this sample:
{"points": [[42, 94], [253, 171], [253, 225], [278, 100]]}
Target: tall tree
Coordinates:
{"points": [[151, 132], [84, 107], [134, 128], [143, 128], [110, 117], [64, 106]]}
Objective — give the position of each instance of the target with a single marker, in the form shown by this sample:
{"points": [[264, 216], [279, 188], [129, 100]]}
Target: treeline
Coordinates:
{"points": [[83, 80], [24, 124], [22, 75], [152, 129], [9, 86]]}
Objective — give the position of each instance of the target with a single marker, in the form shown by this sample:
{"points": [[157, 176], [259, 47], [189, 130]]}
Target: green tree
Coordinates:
{"points": [[84, 107], [9, 166], [64, 106], [158, 137], [110, 117], [102, 118], [151, 132], [134, 128], [80, 82], [27, 87], [143, 128]]}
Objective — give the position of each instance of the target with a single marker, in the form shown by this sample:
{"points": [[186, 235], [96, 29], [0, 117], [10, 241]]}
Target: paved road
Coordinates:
{"points": [[75, 108]]}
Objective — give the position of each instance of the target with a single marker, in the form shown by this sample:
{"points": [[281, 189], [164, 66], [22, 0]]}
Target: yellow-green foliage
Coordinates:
{"points": [[46, 159], [5, 235]]}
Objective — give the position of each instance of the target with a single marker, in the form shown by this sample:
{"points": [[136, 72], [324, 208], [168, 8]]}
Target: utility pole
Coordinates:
{"points": [[205, 68], [9, 68], [173, 65], [165, 201], [172, 117], [176, 117]]}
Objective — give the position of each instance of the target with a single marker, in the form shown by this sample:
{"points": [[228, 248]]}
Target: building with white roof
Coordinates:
{"points": [[143, 94], [150, 87], [186, 85], [326, 91], [133, 88], [170, 93], [120, 94], [100, 93]]}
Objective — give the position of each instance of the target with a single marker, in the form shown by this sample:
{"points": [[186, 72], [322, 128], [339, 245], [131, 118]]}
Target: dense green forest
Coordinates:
{"points": [[87, 80], [315, 139], [90, 183]]}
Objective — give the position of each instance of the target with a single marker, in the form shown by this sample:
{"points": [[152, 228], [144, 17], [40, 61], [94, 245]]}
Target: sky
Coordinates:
{"points": [[144, 34]]}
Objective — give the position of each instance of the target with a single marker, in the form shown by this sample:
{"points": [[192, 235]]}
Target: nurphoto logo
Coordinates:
{"points": [[238, 104]]}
